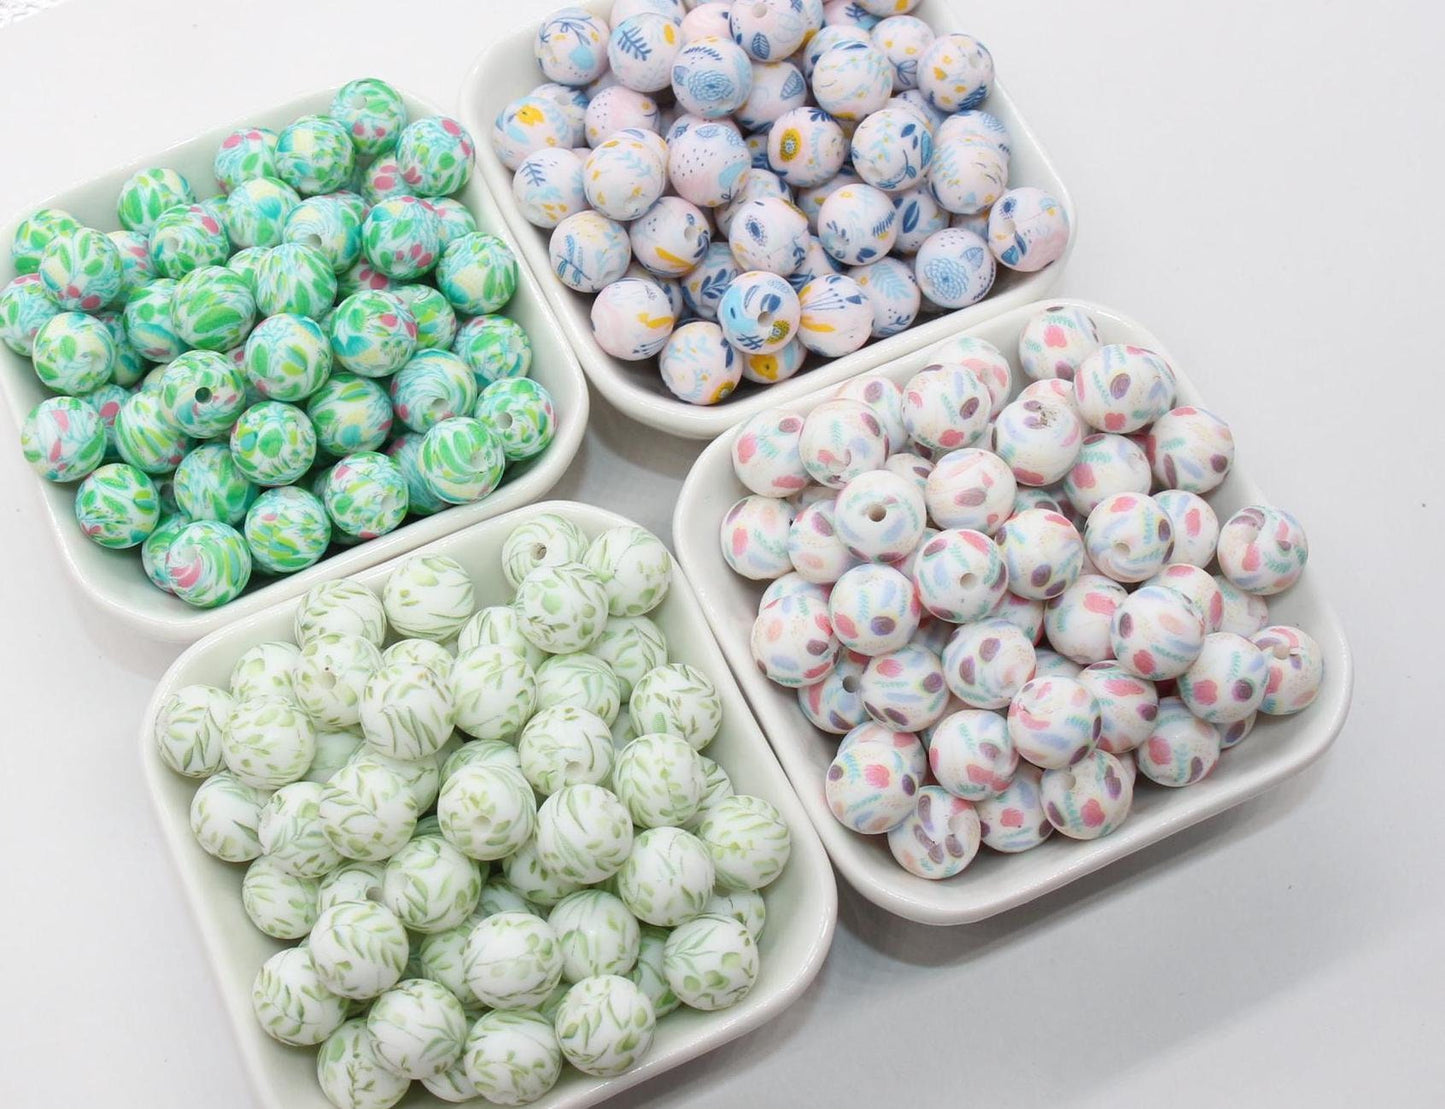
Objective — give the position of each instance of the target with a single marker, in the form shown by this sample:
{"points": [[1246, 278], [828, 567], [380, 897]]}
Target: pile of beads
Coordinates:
{"points": [[1005, 607], [496, 830], [747, 185], [246, 380]]}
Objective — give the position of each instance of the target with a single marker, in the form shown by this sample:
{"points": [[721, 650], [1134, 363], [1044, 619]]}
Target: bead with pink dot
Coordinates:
{"points": [[908, 743], [754, 534], [1195, 526], [1054, 722], [1042, 551], [1181, 749], [880, 516], [1123, 388], [1015, 821], [972, 755], [945, 407], [869, 788], [1128, 705], [1128, 537], [987, 662], [905, 688], [834, 704], [1296, 669], [970, 488], [765, 453], [1226, 683], [1089, 799], [1199, 587], [793, 642], [1040, 439], [1107, 464], [1078, 620], [1262, 549], [840, 440], [1157, 633], [874, 609], [814, 548], [1056, 340], [1190, 448], [939, 838], [960, 575]]}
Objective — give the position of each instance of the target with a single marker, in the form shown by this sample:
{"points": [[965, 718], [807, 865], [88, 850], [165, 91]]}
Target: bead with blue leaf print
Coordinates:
{"points": [[919, 216], [631, 319], [892, 149], [836, 316], [73, 353], [1027, 229], [706, 164], [671, 237], [63, 438], [956, 73], [954, 268], [699, 365], [529, 124], [617, 109], [548, 187], [571, 101], [769, 369], [829, 37], [759, 313], [186, 238], [903, 40], [402, 237], [769, 234], [769, 30], [816, 263], [858, 224], [255, 212], [976, 124], [588, 251], [755, 185], [641, 49], [703, 287], [711, 77], [852, 80], [806, 147], [571, 46], [893, 293], [778, 87], [623, 176], [967, 175]]}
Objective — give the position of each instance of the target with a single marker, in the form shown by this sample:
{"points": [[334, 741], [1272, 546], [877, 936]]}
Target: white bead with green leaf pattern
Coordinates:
{"points": [[487, 811], [406, 711], [596, 933], [367, 811], [526, 873], [512, 960], [439, 957], [630, 646], [350, 1074], [745, 906], [268, 743], [481, 752], [351, 881], [668, 877], [647, 974], [341, 607], [189, 727], [680, 700], [329, 676], [545, 540], [334, 749], [561, 608], [583, 833], [499, 896], [660, 779], [493, 692], [710, 962], [512, 1058], [360, 948], [417, 1028], [604, 1025], [291, 833], [423, 777], [428, 597], [563, 746], [280, 904], [500, 626], [717, 787], [292, 1003], [748, 840], [582, 680], [264, 671], [634, 567], [430, 885], [224, 815], [425, 651], [452, 1084]]}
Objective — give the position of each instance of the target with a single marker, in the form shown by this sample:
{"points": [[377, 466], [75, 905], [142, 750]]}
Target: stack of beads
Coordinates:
{"points": [[496, 830], [748, 185], [1010, 608], [243, 381]]}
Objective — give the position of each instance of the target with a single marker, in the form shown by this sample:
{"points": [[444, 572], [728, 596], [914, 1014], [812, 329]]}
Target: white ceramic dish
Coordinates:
{"points": [[1280, 746], [114, 579], [802, 903], [506, 70]]}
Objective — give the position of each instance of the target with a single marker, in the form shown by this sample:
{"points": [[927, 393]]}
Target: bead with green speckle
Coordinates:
{"points": [[296, 279], [256, 211], [341, 607], [149, 193], [605, 1025], [428, 596], [25, 307], [512, 960], [362, 276], [477, 273], [210, 486], [405, 451], [402, 238], [417, 1028], [247, 264], [186, 238], [281, 905], [366, 495], [562, 608], [202, 393], [34, 233], [462, 460], [287, 530], [584, 833], [117, 506], [631, 646], [748, 840], [521, 413], [660, 779], [436, 323], [367, 811], [268, 743], [359, 947], [547, 539], [430, 885], [328, 225], [81, 270], [107, 401], [188, 729], [315, 155], [244, 154], [207, 564], [435, 155], [372, 113], [63, 438], [291, 834], [224, 814], [495, 347], [74, 353], [580, 680], [287, 357], [273, 443], [679, 700], [633, 566], [213, 308], [157, 543], [711, 962], [647, 974], [512, 1058], [454, 217], [597, 934], [149, 323], [494, 691], [350, 414], [373, 333], [487, 811]]}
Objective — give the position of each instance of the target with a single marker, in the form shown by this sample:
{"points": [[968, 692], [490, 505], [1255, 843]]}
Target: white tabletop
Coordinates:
{"points": [[1258, 184]]}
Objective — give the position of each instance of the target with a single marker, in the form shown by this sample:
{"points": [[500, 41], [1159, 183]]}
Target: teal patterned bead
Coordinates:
{"points": [[366, 495], [207, 564], [117, 506], [434, 386], [373, 333], [33, 235], [494, 347], [74, 353], [436, 323], [350, 414], [326, 224], [215, 207], [137, 269], [209, 486], [362, 276], [315, 155], [405, 451], [149, 323], [247, 264], [153, 551], [462, 460], [129, 366], [520, 412], [401, 237], [478, 274], [148, 194], [382, 180], [287, 529], [81, 270], [202, 392], [287, 357], [435, 155], [107, 401], [245, 154], [454, 217], [25, 307], [296, 279], [63, 438], [256, 211], [186, 238], [213, 308], [372, 113], [273, 443]]}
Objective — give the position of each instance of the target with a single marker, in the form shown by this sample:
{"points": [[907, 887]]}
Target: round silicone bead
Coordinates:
{"points": [[904, 688], [273, 443], [748, 840], [137, 270], [359, 949], [1195, 526], [565, 745], [584, 833], [769, 29], [756, 537], [146, 437], [417, 1029], [892, 292], [632, 319], [979, 125], [340, 607], [349, 414], [147, 194], [938, 838], [793, 641], [287, 357], [117, 506], [945, 407], [350, 1074], [1226, 683], [1123, 388], [546, 539], [967, 176], [73, 353], [596, 934], [1181, 748], [315, 155], [972, 754], [699, 365], [1128, 537], [615, 109], [765, 454], [477, 273], [970, 488], [1199, 587], [711, 77], [330, 675], [186, 238], [1042, 551], [436, 320], [581, 681], [630, 646], [677, 699], [604, 1023], [1015, 821], [224, 814], [401, 237], [660, 779], [903, 40], [207, 563], [834, 704], [81, 270], [711, 962], [434, 385], [372, 113], [1056, 340], [806, 147], [495, 347], [879, 516], [986, 663], [365, 495], [1157, 633], [529, 125], [279, 904], [857, 224], [955, 72], [759, 313], [25, 308], [291, 834], [265, 672], [1295, 668], [512, 1057], [954, 268], [777, 87], [203, 392], [960, 575], [571, 47], [768, 233], [35, 232], [633, 566], [706, 163], [1107, 464], [892, 150], [1089, 799], [840, 440], [1054, 722], [547, 186], [588, 251], [561, 608], [671, 237], [291, 1002], [428, 597], [268, 743], [1127, 705], [367, 811], [297, 279], [813, 546], [255, 212], [541, 885], [63, 438], [208, 485], [852, 80], [1262, 550], [1028, 229], [667, 879], [372, 333], [430, 885], [1079, 619], [406, 711], [188, 729], [874, 610], [435, 155], [487, 812]]}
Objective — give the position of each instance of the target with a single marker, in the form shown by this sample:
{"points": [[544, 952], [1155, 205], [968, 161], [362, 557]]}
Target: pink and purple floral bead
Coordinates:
{"points": [[1128, 705], [816, 551], [1262, 550], [1090, 799], [1015, 820], [1157, 633], [874, 609], [960, 575], [1123, 388], [834, 704], [870, 788], [754, 535], [1054, 722], [1190, 448], [905, 688], [1181, 749], [939, 838], [1055, 342], [1128, 537], [972, 755], [987, 662], [793, 642], [1042, 551], [1296, 669], [880, 516]]}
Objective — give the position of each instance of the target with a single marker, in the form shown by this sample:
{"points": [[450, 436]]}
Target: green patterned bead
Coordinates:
{"points": [[295, 279], [25, 307], [596, 933], [562, 608], [34, 233], [213, 308], [633, 566], [454, 217], [647, 975], [290, 831], [287, 530], [512, 1058], [631, 646], [436, 323], [417, 1028], [287, 357], [149, 323], [401, 237], [351, 881], [268, 743], [745, 906], [281, 905], [202, 393], [605, 1025], [107, 401], [81, 270], [350, 414], [315, 155], [661, 781], [498, 625], [373, 333], [362, 276], [430, 885], [215, 207], [748, 840], [246, 153], [273, 443], [224, 814], [372, 113], [328, 225], [382, 180], [158, 543], [256, 211], [341, 608], [63, 438], [247, 264], [207, 564], [520, 411], [487, 811], [368, 811], [359, 947], [435, 155], [188, 729], [265, 671], [351, 1076], [462, 460], [495, 347], [512, 960], [546, 539], [405, 451], [428, 596], [711, 962], [580, 680], [117, 506], [137, 269], [435, 385], [146, 436], [148, 194], [366, 495], [74, 353], [129, 366], [209, 486], [584, 833], [679, 700], [478, 274], [186, 238], [539, 884]]}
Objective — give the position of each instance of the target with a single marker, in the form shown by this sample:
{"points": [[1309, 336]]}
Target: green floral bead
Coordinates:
{"points": [[137, 269], [547, 539], [498, 625], [597, 934], [372, 113], [149, 323], [107, 400], [439, 960], [520, 411], [462, 460], [25, 307], [401, 237], [209, 486], [487, 811], [34, 233], [495, 347], [213, 308], [295, 279], [478, 274], [454, 217], [246, 153], [436, 657], [679, 700], [281, 905], [417, 1029], [267, 743], [748, 840], [512, 1058], [360, 948], [350, 414], [74, 353], [256, 210], [328, 225], [202, 393], [287, 357], [265, 671], [719, 786], [564, 746], [579, 680], [435, 155], [512, 960], [661, 781], [633, 566], [382, 180], [711, 962], [287, 530], [273, 443], [315, 155], [435, 385], [117, 506], [186, 238], [647, 975], [583, 833], [189, 727], [605, 1025], [341, 608], [291, 833], [368, 811], [207, 564], [362, 276], [366, 495], [224, 814], [146, 436], [63, 438], [539, 884], [436, 323], [81, 270], [745, 906], [215, 207], [373, 333], [430, 885], [631, 646], [428, 596], [562, 608], [247, 264], [351, 881], [153, 551], [405, 451], [148, 194]]}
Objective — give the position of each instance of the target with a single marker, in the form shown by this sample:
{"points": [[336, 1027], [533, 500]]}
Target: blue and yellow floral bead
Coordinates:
{"points": [[632, 318], [148, 194], [852, 80], [892, 149], [73, 353], [117, 506], [571, 46], [315, 155], [520, 412], [207, 563], [273, 443], [186, 238], [63, 438], [955, 73], [711, 77], [588, 251], [296, 279], [858, 224], [213, 308], [81, 270], [699, 365], [365, 495], [202, 392], [434, 386], [208, 485], [477, 274], [435, 155], [954, 268], [286, 530], [373, 333], [350, 414], [806, 147], [495, 347], [372, 112]]}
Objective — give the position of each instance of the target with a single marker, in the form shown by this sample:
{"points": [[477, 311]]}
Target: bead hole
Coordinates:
{"points": [[760, 10], [357, 102], [203, 394], [850, 684], [478, 459], [1120, 549], [374, 894], [766, 318], [312, 240], [877, 512], [503, 420], [539, 551], [389, 502], [437, 409], [692, 233], [968, 580], [1282, 651]]}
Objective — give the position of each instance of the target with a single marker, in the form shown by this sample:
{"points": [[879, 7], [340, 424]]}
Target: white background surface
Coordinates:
{"points": [[1260, 185]]}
